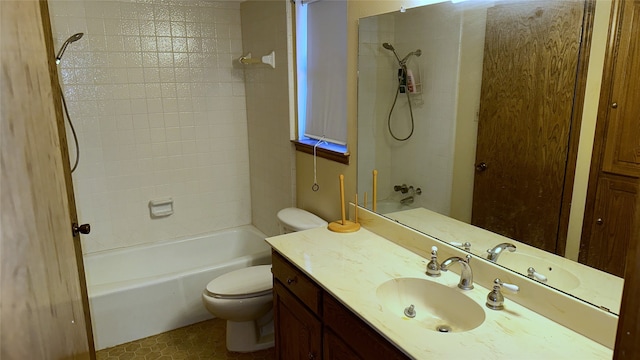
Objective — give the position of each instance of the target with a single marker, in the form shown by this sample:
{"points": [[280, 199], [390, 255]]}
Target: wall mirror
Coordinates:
{"points": [[469, 112]]}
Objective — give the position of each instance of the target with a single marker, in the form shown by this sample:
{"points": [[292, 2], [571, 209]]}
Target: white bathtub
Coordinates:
{"points": [[145, 290]]}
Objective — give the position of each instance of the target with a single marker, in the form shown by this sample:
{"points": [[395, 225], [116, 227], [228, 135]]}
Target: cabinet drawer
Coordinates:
{"points": [[296, 282]]}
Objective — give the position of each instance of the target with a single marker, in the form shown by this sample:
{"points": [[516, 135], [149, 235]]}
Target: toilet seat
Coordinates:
{"points": [[253, 281]]}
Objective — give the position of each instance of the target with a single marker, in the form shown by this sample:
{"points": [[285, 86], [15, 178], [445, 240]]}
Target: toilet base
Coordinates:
{"points": [[250, 336]]}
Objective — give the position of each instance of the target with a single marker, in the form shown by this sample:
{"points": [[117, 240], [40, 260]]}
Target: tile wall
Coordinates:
{"points": [[158, 101]]}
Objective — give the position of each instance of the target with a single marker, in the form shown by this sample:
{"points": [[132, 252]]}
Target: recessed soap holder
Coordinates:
{"points": [[160, 208]]}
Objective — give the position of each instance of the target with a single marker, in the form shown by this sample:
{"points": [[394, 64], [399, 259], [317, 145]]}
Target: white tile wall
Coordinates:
{"points": [[158, 102]]}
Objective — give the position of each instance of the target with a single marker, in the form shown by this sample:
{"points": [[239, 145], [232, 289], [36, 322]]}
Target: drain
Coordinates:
{"points": [[443, 328]]}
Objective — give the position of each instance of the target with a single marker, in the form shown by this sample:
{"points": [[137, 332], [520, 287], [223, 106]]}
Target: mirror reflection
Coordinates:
{"points": [[467, 110]]}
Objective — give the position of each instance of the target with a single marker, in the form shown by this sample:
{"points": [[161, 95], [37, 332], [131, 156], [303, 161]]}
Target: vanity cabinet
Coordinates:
{"points": [[297, 330], [311, 324]]}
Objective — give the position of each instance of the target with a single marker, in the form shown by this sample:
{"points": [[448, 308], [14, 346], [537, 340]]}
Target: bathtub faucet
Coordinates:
{"points": [[412, 193]]}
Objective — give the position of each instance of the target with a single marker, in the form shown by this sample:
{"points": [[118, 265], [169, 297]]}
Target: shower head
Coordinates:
{"points": [[72, 38], [390, 47], [416, 53]]}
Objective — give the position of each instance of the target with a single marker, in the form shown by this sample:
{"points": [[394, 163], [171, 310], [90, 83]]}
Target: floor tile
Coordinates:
{"points": [[204, 340]]}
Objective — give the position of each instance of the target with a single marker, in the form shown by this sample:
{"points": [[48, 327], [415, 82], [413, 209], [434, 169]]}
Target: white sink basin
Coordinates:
{"points": [[555, 274], [437, 307]]}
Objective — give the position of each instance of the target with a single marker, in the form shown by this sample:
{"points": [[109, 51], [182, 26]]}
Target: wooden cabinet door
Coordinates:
{"points": [[334, 348], [613, 224], [298, 333], [622, 148], [523, 130]]}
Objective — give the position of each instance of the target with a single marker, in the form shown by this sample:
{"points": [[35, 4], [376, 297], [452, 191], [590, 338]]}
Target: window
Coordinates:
{"points": [[321, 29]]}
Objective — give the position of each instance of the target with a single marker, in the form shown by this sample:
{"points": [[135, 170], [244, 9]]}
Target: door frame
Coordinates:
{"points": [[66, 165]]}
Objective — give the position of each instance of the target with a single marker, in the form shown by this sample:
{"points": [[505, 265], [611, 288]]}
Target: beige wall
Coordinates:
{"points": [[271, 154], [588, 127]]}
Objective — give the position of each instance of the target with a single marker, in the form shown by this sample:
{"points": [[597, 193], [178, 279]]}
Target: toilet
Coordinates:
{"points": [[244, 297]]}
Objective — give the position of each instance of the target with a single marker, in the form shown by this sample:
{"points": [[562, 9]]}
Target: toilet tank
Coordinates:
{"points": [[294, 219]]}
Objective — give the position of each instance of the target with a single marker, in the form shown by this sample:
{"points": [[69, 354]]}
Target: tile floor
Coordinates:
{"points": [[204, 340]]}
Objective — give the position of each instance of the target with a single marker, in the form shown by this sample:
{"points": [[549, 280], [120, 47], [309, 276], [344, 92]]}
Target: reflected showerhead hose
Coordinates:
{"points": [[403, 68], [71, 39]]}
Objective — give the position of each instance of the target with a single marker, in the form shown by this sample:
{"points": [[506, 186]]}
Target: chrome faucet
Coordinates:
{"points": [[495, 299], [497, 250], [412, 192], [407, 200], [466, 275]]}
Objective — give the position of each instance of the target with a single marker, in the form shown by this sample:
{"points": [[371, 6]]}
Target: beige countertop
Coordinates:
{"points": [[352, 266], [594, 286]]}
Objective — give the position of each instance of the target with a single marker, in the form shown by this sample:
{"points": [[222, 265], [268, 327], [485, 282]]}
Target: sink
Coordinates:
{"points": [[556, 275], [437, 307]]}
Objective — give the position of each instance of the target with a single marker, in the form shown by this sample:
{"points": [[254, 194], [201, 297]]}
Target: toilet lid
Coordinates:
{"points": [[246, 282], [298, 219]]}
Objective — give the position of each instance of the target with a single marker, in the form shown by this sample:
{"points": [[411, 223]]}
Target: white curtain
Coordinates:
{"points": [[326, 71]]}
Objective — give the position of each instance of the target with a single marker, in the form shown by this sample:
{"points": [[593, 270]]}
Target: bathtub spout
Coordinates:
{"points": [[407, 200]]}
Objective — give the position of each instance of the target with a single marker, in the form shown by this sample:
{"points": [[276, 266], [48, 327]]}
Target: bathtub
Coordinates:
{"points": [[145, 290]]}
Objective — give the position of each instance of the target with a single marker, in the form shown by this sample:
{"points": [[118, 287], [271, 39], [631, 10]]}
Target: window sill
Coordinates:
{"points": [[332, 152]]}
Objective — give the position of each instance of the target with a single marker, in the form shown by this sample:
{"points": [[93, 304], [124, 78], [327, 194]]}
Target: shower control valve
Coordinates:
{"points": [[402, 188]]}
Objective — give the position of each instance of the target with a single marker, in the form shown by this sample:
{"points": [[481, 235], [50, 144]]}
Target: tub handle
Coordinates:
{"points": [[292, 280]]}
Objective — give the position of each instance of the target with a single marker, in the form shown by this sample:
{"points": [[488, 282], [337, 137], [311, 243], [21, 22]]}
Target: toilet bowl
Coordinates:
{"points": [[244, 297]]}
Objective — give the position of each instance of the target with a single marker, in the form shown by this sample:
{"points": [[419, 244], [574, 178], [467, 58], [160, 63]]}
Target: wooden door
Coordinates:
{"points": [[528, 89], [42, 308], [298, 333]]}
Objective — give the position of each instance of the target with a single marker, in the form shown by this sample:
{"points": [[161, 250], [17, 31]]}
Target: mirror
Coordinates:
{"points": [[427, 78]]}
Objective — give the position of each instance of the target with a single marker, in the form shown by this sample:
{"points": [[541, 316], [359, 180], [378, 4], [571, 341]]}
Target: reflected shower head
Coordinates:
{"points": [[390, 47], [72, 38], [418, 52], [402, 62]]}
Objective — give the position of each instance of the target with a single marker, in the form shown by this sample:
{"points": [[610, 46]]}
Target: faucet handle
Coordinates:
{"points": [[465, 245], [495, 299], [532, 273], [402, 188], [433, 268], [511, 287]]}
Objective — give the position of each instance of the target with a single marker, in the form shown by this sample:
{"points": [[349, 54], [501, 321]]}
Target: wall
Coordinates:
{"points": [[158, 100], [266, 26], [588, 126]]}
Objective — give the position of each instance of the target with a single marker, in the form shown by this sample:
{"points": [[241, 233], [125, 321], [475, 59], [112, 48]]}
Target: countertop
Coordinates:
{"points": [[351, 267], [596, 287]]}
